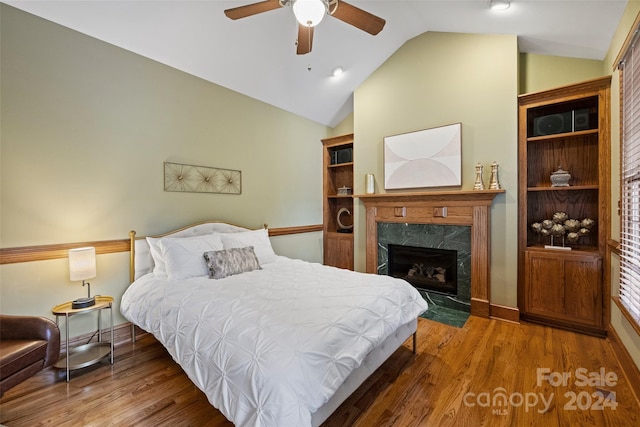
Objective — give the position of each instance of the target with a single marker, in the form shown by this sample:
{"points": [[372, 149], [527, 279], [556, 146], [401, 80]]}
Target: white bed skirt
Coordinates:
{"points": [[372, 361]]}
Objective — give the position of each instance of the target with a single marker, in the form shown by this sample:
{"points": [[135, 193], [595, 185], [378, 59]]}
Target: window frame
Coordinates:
{"points": [[628, 298]]}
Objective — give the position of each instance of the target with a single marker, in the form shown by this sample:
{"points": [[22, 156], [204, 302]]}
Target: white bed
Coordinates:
{"points": [[281, 342]]}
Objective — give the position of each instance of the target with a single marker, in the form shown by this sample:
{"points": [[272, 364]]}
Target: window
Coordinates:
{"points": [[630, 181]]}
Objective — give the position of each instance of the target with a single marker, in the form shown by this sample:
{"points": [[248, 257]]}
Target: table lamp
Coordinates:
{"points": [[82, 266]]}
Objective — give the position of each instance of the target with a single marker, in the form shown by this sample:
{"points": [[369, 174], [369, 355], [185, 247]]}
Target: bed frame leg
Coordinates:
{"points": [[415, 342], [133, 333]]}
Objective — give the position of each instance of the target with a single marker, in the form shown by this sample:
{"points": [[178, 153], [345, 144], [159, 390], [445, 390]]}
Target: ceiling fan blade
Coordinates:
{"points": [[305, 39], [358, 18], [252, 9]]}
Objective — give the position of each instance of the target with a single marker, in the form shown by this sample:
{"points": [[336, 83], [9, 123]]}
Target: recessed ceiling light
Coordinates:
{"points": [[337, 71], [499, 4]]}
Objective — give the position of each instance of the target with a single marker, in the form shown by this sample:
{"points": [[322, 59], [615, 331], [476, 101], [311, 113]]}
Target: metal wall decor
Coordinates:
{"points": [[201, 179]]}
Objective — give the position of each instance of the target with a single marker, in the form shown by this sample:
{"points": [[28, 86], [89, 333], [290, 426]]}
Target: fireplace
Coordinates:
{"points": [[412, 243], [465, 216], [428, 269]]}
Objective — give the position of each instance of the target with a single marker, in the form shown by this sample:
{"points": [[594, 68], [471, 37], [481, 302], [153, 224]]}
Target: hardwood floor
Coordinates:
{"points": [[456, 379]]}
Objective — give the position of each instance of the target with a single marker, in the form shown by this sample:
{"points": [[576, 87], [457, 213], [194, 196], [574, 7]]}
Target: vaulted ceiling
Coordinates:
{"points": [[256, 56]]}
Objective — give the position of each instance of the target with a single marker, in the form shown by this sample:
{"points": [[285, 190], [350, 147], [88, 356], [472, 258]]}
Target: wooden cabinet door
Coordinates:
{"points": [[338, 250], [545, 285], [583, 291], [565, 286]]}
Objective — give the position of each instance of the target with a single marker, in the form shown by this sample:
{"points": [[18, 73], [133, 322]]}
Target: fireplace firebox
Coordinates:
{"points": [[429, 269]]}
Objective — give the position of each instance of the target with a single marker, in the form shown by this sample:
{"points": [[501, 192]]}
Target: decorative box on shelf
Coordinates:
{"points": [[560, 178], [344, 191]]}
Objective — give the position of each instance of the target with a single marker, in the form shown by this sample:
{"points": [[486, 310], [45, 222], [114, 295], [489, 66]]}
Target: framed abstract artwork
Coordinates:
{"points": [[201, 179], [424, 158]]}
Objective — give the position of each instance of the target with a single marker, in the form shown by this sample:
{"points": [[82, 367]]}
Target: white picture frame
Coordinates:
{"points": [[425, 158]]}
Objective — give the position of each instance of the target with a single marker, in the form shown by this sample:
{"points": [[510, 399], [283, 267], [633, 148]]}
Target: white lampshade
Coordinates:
{"points": [[309, 12], [82, 263]]}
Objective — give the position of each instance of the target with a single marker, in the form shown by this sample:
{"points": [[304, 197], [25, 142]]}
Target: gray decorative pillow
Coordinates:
{"points": [[231, 261]]}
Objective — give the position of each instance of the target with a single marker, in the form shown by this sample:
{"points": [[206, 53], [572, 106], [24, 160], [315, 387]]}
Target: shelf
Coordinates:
{"points": [[337, 247], [67, 307], [85, 355], [338, 165], [564, 287], [337, 234], [544, 138], [570, 188], [575, 249]]}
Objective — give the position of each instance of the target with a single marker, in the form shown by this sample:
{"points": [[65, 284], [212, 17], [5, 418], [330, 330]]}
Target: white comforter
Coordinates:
{"points": [[269, 347]]}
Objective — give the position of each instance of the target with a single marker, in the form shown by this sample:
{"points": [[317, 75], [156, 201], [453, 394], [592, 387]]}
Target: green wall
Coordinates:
{"points": [[437, 79], [86, 127], [540, 72], [344, 127]]}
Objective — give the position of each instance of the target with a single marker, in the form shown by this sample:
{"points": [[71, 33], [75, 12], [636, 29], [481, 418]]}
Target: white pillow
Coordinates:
{"points": [[183, 255], [156, 254], [259, 239]]}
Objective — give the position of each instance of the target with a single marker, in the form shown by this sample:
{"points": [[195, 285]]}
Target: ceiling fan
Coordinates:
{"points": [[309, 13]]}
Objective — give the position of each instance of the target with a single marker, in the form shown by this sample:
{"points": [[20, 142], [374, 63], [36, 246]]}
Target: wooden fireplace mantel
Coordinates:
{"points": [[468, 208]]}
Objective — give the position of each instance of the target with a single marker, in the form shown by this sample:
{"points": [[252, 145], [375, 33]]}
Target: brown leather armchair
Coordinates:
{"points": [[28, 344]]}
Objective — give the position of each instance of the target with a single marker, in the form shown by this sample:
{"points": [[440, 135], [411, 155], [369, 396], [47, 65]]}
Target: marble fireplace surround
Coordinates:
{"points": [[470, 208]]}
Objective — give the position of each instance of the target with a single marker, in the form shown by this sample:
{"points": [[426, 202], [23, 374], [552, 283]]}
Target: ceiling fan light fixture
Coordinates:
{"points": [[309, 12], [500, 4]]}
